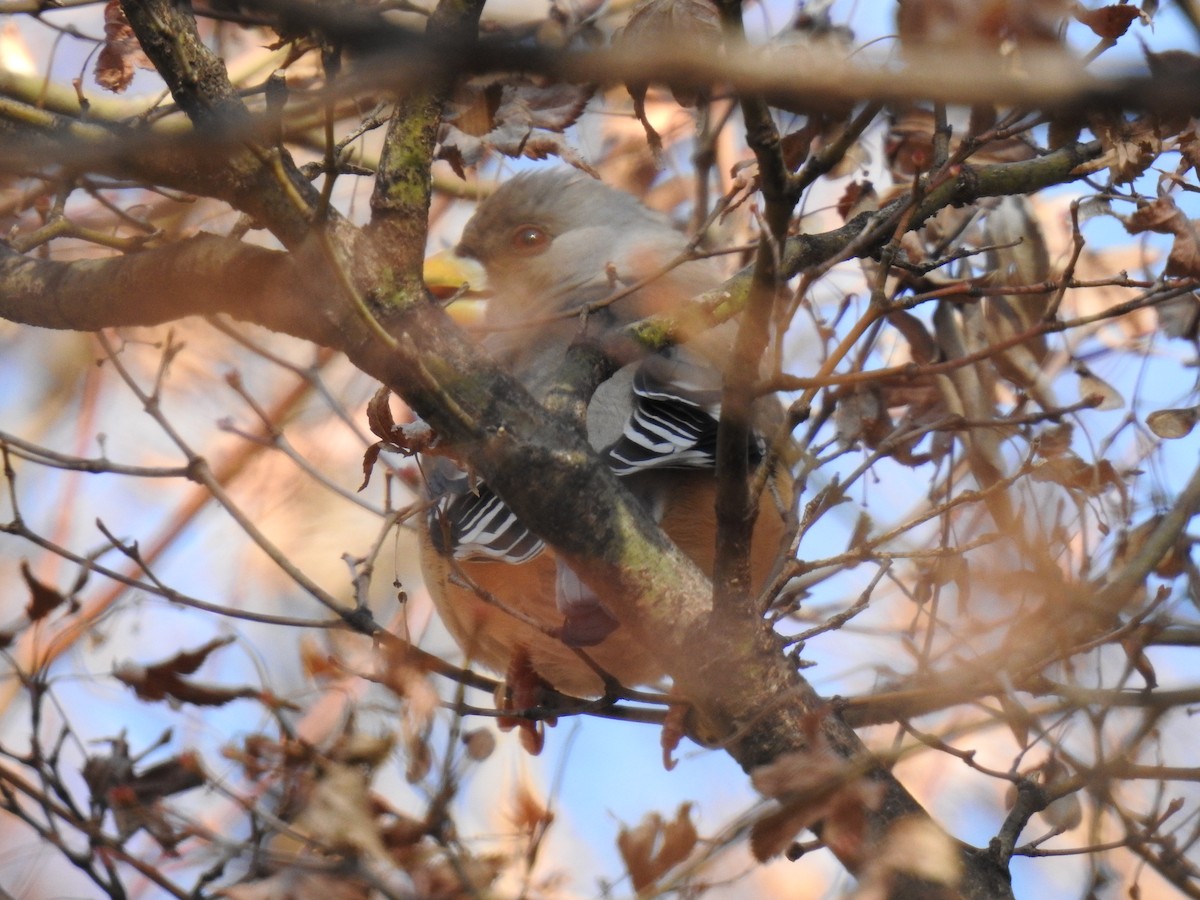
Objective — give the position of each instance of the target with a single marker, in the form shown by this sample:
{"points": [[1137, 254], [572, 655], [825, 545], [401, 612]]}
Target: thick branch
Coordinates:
{"points": [[201, 276], [792, 77], [400, 201], [261, 181]]}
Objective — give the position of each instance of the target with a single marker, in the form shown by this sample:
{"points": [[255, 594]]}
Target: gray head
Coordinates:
{"points": [[551, 240]]}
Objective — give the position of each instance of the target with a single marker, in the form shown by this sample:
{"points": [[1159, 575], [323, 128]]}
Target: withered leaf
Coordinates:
{"points": [[694, 23], [655, 846], [370, 457], [1063, 813], [673, 730], [134, 797], [523, 689], [529, 813], [407, 439], [165, 681], [187, 662], [480, 743], [1188, 146], [379, 414], [121, 53], [1179, 317], [513, 115], [813, 786], [419, 758], [1171, 424], [1130, 148], [339, 814], [1184, 258], [1074, 474], [1108, 22], [43, 599], [773, 833], [918, 847], [316, 662], [1160, 215], [173, 688], [861, 416], [1091, 387], [171, 776], [859, 196]]}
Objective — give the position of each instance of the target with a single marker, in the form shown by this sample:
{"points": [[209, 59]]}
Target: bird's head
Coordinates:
{"points": [[551, 242]]}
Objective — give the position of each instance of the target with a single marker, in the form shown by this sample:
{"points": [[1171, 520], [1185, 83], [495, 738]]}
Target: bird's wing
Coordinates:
{"points": [[672, 423], [670, 417], [468, 520]]}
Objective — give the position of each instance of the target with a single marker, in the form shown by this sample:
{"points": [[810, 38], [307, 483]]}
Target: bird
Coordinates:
{"points": [[550, 244]]}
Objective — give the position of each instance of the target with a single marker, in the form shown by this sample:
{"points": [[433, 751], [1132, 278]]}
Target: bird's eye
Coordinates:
{"points": [[529, 239]]}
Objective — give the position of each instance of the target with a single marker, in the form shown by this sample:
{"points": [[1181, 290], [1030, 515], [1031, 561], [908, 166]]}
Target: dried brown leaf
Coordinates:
{"points": [[379, 415], [1184, 258], [1130, 148], [1179, 317], [171, 776], [370, 458], [773, 833], [131, 815], [121, 54], [1188, 145], [134, 797], [909, 144], [1108, 22], [361, 748], [861, 416], [1055, 440], [165, 681], [480, 743], [340, 814], [673, 731], [418, 758], [186, 662], [43, 599], [859, 196], [523, 689], [1074, 474], [1063, 813], [316, 662], [814, 786], [655, 846], [1106, 397], [694, 23], [679, 838], [1160, 215], [1171, 424], [529, 813], [796, 144], [513, 115], [154, 685]]}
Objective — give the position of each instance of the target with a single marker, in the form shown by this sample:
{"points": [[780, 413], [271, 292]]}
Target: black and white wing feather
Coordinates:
{"points": [[675, 404], [672, 425], [468, 521]]}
